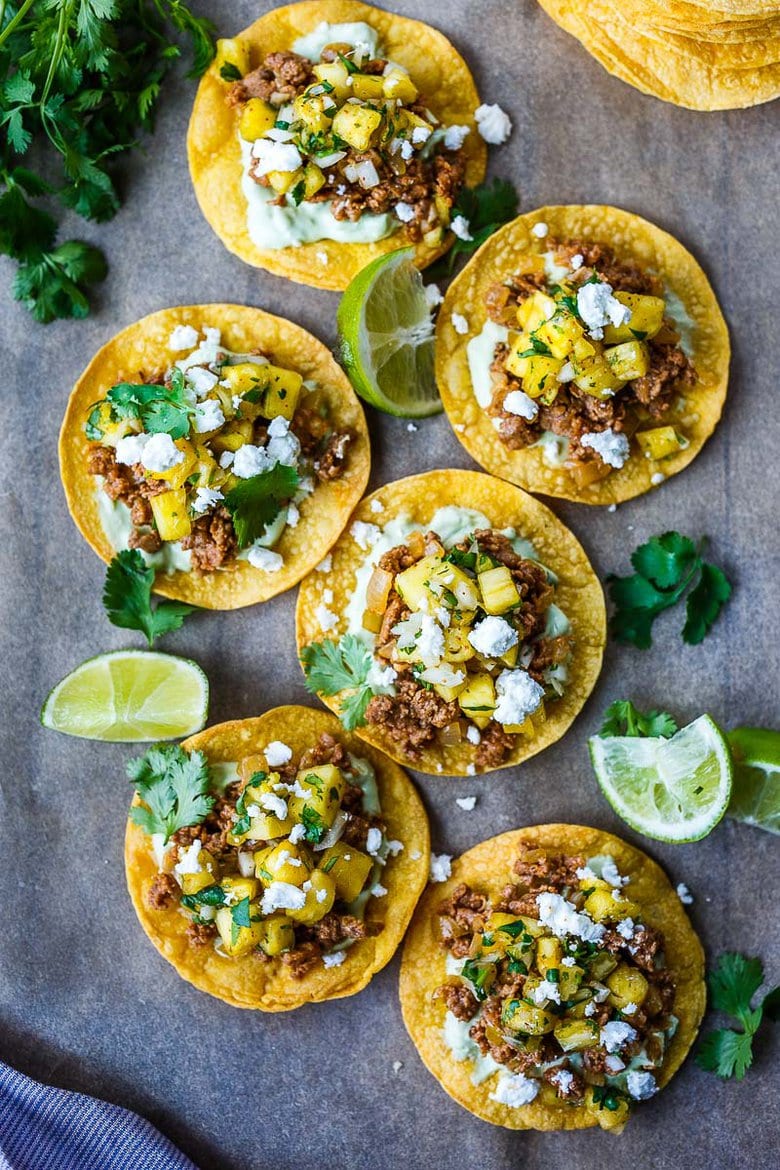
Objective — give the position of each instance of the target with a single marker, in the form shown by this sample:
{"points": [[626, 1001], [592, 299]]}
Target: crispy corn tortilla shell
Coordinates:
{"points": [[578, 594], [437, 69], [488, 867], [144, 347], [636, 240], [269, 986], [686, 71]]}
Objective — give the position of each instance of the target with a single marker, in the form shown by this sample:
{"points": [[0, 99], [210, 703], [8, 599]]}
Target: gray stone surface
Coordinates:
{"points": [[85, 1001]]}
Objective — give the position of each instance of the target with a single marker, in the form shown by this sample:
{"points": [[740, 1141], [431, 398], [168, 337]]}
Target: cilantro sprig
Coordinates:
{"points": [[79, 81], [667, 567], [173, 786], [623, 719], [733, 984], [158, 408], [340, 668], [256, 501], [127, 598], [486, 207]]}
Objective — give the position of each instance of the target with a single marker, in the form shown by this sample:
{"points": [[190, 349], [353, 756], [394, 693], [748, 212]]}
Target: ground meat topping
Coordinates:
{"points": [[163, 892], [279, 79], [212, 541]]}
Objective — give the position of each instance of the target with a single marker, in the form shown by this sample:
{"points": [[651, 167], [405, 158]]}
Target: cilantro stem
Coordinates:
{"points": [[5, 34]]}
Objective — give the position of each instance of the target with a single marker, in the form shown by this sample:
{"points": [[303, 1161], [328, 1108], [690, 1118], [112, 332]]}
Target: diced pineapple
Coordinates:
{"points": [[240, 887], [282, 181], [234, 53], [263, 824], [278, 934], [510, 658], [170, 514], [549, 953], [519, 1016], [398, 85], [281, 396], [575, 1035], [371, 621], [429, 579], [356, 125], [336, 74], [569, 980], [629, 360], [541, 375], [313, 179], [320, 897], [583, 348], [285, 863], [525, 728], [314, 110], [368, 86], [627, 985], [594, 376], [246, 377], [457, 647], [177, 475], [208, 874], [348, 867], [256, 118], [535, 309], [228, 441], [647, 317], [499, 592], [614, 1118], [477, 700], [659, 442], [603, 907], [601, 965], [239, 940], [324, 786], [560, 333], [450, 693], [516, 363]]}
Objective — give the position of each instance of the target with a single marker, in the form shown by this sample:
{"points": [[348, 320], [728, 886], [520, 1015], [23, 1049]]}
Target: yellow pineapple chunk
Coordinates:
{"points": [[647, 317], [336, 74], [399, 85], [541, 375], [170, 514], [499, 592], [477, 700], [256, 118], [281, 397], [367, 86], [282, 181], [629, 360], [348, 867], [356, 125], [177, 475], [239, 940], [627, 985], [660, 442], [233, 52], [593, 375], [535, 309], [246, 376]]}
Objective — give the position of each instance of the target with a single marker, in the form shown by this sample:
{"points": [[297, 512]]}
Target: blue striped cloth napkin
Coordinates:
{"points": [[42, 1128]]}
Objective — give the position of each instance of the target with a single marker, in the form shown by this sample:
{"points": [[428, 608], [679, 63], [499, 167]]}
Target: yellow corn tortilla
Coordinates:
{"points": [[634, 239], [214, 153], [488, 867], [687, 71], [578, 593], [144, 347], [269, 986]]}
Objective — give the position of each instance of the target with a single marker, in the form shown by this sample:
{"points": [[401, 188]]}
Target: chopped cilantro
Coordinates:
{"points": [[173, 786], [622, 718], [313, 824], [230, 72], [328, 866], [160, 409], [210, 896], [733, 983], [486, 207], [240, 917], [127, 598], [256, 501], [241, 826], [480, 976]]}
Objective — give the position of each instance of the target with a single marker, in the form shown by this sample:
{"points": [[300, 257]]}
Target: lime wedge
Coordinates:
{"points": [[386, 337], [129, 696], [756, 795], [672, 789]]}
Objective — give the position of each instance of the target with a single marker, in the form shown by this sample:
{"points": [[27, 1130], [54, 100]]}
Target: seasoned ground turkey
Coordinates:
{"points": [[163, 892], [494, 746], [412, 716], [575, 413], [328, 449], [212, 541], [279, 79], [459, 999], [312, 941], [201, 934]]}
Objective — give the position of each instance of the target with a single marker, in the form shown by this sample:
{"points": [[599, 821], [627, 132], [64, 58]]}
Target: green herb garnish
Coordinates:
{"points": [[486, 207], [340, 668], [733, 983], [127, 598], [622, 718], [256, 501], [173, 786]]}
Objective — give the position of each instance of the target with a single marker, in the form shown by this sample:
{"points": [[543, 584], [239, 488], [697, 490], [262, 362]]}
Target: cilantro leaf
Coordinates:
{"points": [[666, 566], [486, 207], [256, 501], [173, 787], [313, 824], [704, 603], [159, 408], [733, 982], [335, 667], [623, 719], [127, 595]]}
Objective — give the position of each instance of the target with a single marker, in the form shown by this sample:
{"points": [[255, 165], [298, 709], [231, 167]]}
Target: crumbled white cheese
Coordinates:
{"points": [[407, 150], [421, 633], [473, 734], [273, 804], [282, 896], [397, 1066], [612, 508], [366, 535], [201, 380], [545, 991], [585, 873], [433, 295], [656, 478], [459, 323], [183, 337], [441, 867], [379, 676], [563, 1079], [519, 403], [493, 637], [597, 307], [378, 891], [277, 753], [471, 769], [297, 833], [569, 961], [265, 559], [206, 498], [629, 1009], [539, 230], [250, 460], [421, 134], [395, 847], [227, 458], [562, 918], [610, 873], [325, 565], [283, 446], [275, 156], [455, 136], [412, 427], [404, 212], [514, 1089], [625, 928], [334, 960], [641, 1085], [160, 453], [444, 675], [590, 1009], [293, 515], [461, 228], [518, 696], [684, 894], [130, 449], [467, 803], [612, 446], [615, 1034], [189, 860], [493, 123], [373, 841], [209, 416], [326, 618]]}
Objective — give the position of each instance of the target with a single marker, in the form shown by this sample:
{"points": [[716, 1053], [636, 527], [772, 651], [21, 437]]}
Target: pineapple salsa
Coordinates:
{"points": [[280, 856], [580, 355], [338, 143], [454, 634], [557, 988], [209, 460]]}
